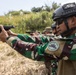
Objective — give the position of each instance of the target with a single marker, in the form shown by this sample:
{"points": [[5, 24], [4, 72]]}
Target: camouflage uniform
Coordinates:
{"points": [[61, 49]]}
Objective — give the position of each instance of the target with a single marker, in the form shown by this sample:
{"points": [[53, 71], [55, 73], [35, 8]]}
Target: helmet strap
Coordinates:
{"points": [[68, 31], [66, 23]]}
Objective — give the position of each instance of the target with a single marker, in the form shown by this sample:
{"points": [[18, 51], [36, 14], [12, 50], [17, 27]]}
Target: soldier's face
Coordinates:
{"points": [[61, 27]]}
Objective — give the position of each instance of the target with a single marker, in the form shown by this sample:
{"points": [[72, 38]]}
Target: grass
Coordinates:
{"points": [[12, 63]]}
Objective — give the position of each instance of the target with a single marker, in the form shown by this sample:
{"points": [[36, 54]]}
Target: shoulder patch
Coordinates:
{"points": [[53, 46]]}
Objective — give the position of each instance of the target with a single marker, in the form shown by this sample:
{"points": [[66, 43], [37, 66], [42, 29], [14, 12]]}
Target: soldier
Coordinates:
{"points": [[47, 31], [63, 50], [65, 18]]}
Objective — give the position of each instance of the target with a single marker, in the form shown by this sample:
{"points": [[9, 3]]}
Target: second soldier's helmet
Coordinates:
{"points": [[65, 11]]}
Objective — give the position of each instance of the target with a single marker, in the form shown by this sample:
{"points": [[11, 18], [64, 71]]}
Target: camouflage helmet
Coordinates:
{"points": [[64, 11]]}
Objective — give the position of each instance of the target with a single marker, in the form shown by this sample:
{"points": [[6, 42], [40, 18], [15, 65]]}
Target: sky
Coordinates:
{"points": [[26, 5]]}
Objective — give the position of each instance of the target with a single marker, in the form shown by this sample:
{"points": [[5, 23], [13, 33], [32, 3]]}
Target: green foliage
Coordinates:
{"points": [[17, 13], [13, 13], [38, 9], [55, 5], [47, 8], [21, 27], [32, 21], [24, 21]]}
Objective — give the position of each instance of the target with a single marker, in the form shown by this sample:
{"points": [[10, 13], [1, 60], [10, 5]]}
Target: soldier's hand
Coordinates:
{"points": [[3, 34]]}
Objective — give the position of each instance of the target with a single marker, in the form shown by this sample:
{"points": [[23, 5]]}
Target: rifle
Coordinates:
{"points": [[7, 28]]}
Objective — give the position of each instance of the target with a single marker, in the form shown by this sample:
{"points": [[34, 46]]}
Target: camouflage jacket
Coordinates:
{"points": [[42, 47], [37, 47]]}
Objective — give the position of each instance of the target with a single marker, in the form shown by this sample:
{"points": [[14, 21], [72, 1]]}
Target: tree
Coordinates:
{"points": [[38, 9], [48, 8], [55, 5]]}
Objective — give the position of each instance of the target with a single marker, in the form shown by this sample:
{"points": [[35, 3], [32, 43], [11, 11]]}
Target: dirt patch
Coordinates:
{"points": [[13, 63]]}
